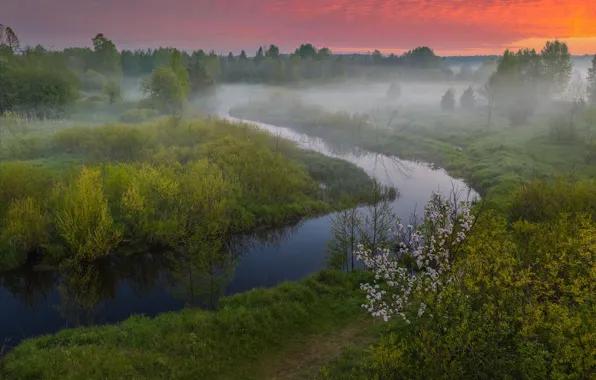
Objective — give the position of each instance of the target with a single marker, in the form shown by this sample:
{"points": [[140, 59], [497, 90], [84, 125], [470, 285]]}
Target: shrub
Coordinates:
{"points": [[543, 200], [112, 90], [25, 227], [110, 142], [83, 219]]}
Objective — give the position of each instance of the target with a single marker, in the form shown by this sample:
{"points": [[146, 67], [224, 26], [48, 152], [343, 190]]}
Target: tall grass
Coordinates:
{"points": [[194, 343]]}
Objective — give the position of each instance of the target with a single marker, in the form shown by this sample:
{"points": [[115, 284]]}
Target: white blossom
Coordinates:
{"points": [[432, 243]]}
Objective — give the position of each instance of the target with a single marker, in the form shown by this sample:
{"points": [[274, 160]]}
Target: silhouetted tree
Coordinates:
{"points": [[557, 65], [377, 57], [272, 52], [448, 101], [9, 38], [198, 76], [488, 92], [421, 57], [467, 100], [516, 83], [324, 53], [306, 51], [106, 58], [259, 56]]}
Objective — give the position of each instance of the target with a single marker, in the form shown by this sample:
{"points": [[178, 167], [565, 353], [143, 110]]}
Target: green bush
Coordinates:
{"points": [[91, 80], [25, 227], [543, 200], [138, 115], [83, 219]]}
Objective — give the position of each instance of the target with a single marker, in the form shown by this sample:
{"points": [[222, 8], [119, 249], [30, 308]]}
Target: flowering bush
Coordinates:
{"points": [[432, 244]]}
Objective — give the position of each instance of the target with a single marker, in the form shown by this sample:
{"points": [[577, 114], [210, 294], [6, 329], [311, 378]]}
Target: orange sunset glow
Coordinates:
{"points": [[451, 27]]}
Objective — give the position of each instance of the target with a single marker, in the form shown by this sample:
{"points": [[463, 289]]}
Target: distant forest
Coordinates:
{"points": [[48, 82], [266, 65]]}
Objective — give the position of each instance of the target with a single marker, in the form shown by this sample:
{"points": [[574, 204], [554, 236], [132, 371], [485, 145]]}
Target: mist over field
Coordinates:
{"points": [[172, 214]]}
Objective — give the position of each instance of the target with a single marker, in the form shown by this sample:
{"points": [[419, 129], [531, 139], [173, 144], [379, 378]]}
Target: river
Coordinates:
{"points": [[40, 302]]}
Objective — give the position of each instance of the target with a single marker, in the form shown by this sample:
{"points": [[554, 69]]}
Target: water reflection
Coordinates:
{"points": [[29, 285], [37, 301], [199, 277]]}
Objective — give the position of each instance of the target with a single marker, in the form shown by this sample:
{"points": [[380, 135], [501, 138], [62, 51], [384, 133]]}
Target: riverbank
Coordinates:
{"points": [[493, 161], [231, 342], [272, 333], [144, 183]]}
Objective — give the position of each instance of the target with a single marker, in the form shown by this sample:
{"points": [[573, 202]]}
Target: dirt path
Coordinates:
{"points": [[301, 359]]}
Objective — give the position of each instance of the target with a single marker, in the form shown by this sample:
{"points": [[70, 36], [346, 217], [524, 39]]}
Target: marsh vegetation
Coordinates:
{"points": [[110, 174]]}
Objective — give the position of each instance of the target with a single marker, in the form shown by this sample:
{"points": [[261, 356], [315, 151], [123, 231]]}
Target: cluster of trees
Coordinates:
{"points": [[48, 83], [33, 82], [469, 293], [181, 185], [525, 79], [270, 66], [467, 100]]}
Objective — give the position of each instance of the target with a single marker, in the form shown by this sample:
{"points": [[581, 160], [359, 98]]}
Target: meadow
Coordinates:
{"points": [[504, 288]]}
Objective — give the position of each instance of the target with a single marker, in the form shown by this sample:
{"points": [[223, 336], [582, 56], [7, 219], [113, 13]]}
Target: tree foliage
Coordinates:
{"points": [[524, 78], [166, 91], [557, 65], [486, 299], [467, 100], [448, 100], [421, 57], [105, 56]]}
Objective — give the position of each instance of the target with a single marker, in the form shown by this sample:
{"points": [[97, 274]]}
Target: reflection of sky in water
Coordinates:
{"points": [[304, 252], [290, 257]]}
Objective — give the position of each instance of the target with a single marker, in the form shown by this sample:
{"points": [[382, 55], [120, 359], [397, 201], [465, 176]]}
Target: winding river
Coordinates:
{"points": [[40, 302]]}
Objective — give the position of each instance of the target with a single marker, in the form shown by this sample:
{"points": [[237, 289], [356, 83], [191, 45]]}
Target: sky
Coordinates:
{"points": [[450, 27]]}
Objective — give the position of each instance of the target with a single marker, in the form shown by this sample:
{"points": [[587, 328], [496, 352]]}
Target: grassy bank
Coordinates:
{"points": [[165, 183], [523, 308], [232, 342], [493, 160]]}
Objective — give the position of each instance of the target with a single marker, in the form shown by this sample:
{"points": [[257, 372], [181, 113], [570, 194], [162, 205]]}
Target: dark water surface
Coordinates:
{"points": [[39, 302]]}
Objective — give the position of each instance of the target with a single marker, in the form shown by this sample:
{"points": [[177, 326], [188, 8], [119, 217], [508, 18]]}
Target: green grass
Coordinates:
{"points": [[491, 160], [241, 340]]}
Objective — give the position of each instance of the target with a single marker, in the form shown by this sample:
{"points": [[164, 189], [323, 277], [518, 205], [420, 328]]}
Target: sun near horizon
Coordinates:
{"points": [[450, 27]]}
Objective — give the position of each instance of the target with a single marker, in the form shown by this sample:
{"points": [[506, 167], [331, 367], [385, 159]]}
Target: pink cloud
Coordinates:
{"points": [[445, 25]]}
